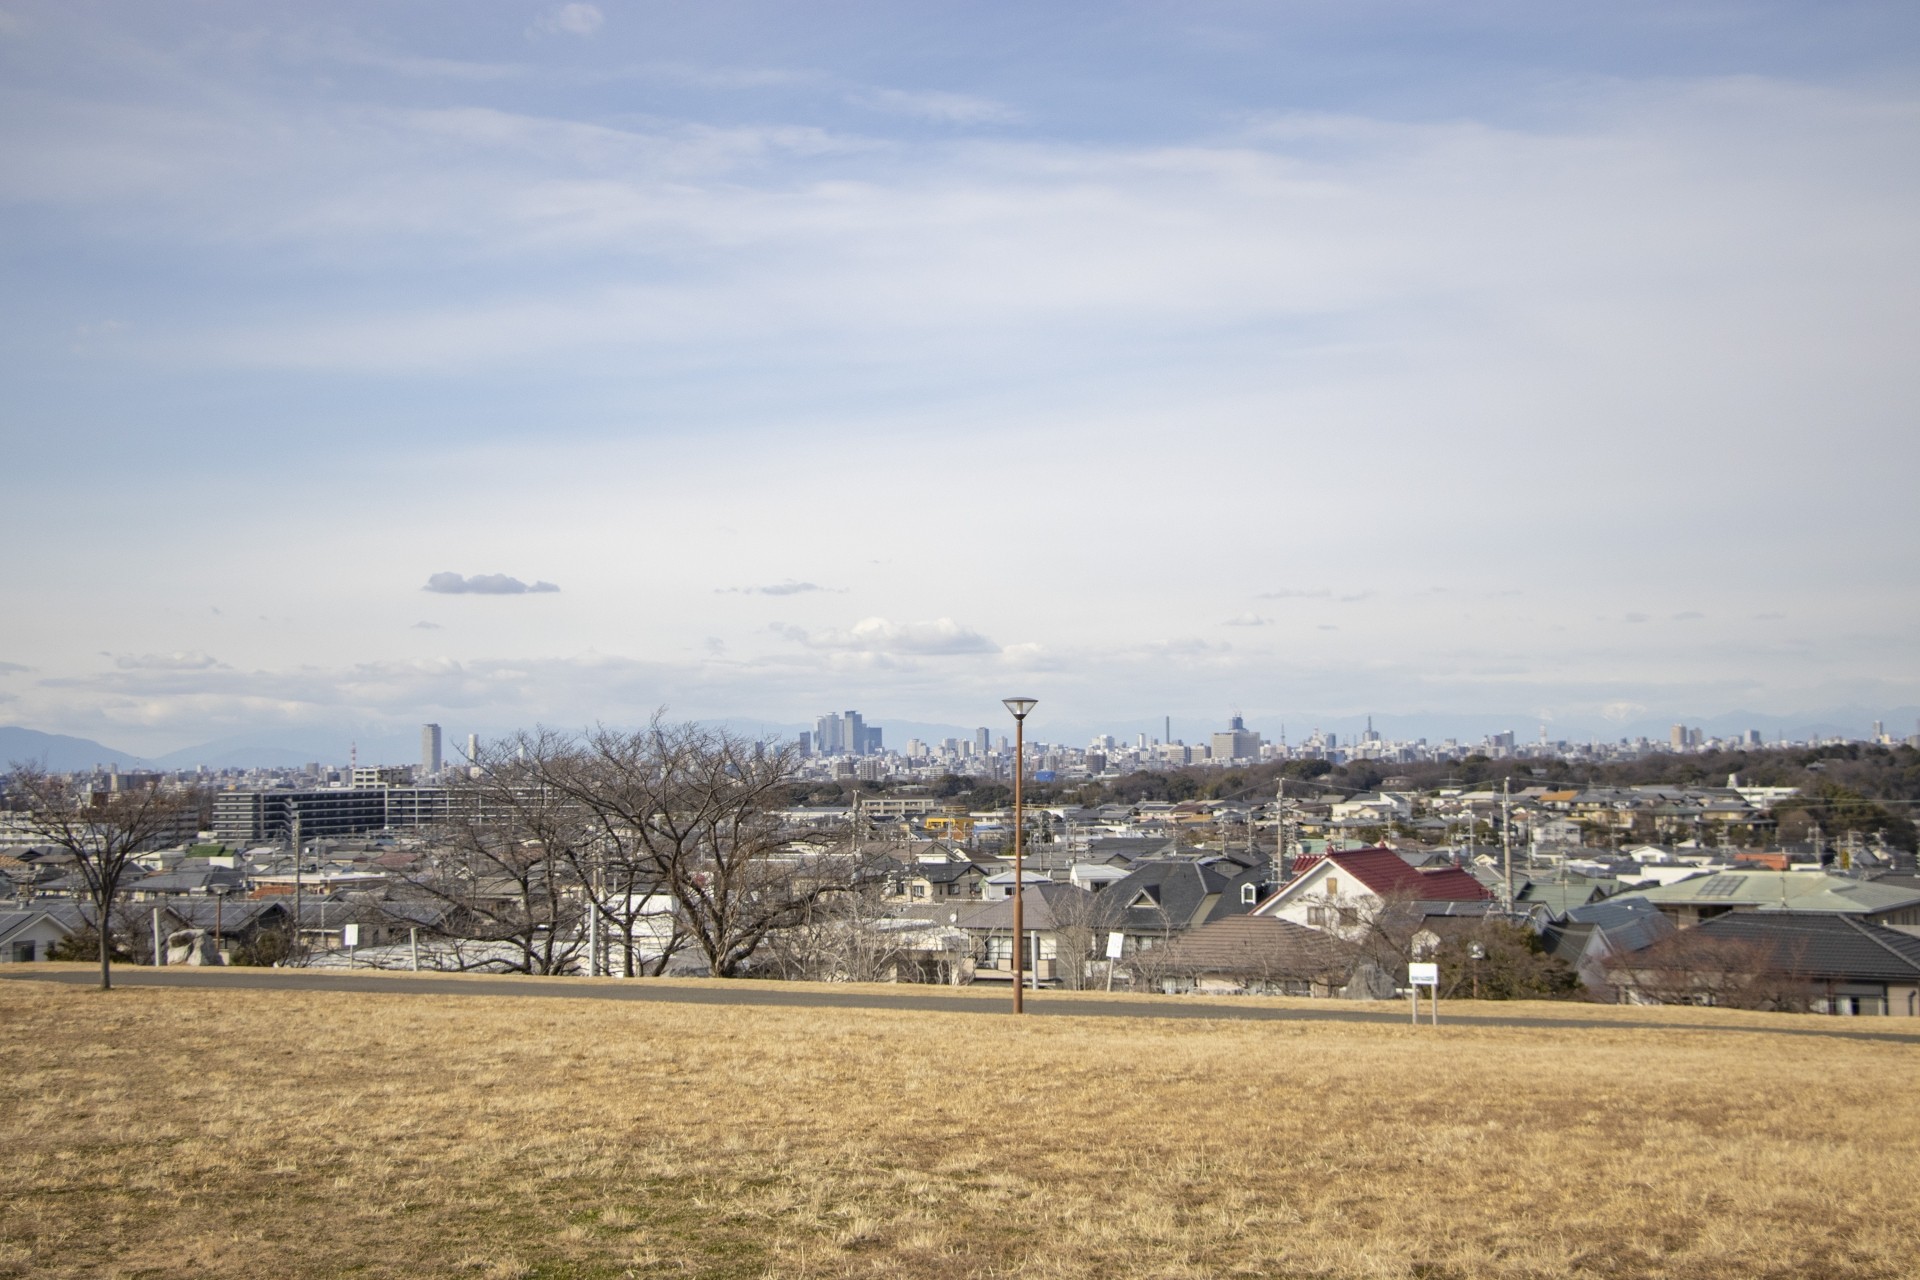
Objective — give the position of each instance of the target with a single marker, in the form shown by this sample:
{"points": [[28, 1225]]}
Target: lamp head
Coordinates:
{"points": [[1020, 706]]}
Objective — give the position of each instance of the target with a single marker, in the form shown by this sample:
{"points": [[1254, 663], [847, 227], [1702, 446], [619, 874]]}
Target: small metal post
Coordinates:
{"points": [[159, 951], [413, 942]]}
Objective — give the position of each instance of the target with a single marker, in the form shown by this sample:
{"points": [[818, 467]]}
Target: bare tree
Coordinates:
{"points": [[611, 868], [506, 863], [1077, 931], [103, 831], [841, 937], [1147, 963], [695, 810], [1696, 967]]}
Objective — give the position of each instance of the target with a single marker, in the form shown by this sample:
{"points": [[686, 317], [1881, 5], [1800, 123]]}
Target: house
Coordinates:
{"points": [[30, 935], [1595, 934], [1376, 809], [196, 881], [1825, 962], [1341, 893], [1057, 919], [938, 879], [1702, 897], [1159, 900], [1556, 832], [999, 886], [1252, 955], [232, 921]]}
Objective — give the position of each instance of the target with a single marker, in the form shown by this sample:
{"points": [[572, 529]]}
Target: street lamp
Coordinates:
{"points": [[1019, 707]]}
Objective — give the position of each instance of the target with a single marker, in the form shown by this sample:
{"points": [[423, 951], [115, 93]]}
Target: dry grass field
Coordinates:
{"points": [[177, 1133]]}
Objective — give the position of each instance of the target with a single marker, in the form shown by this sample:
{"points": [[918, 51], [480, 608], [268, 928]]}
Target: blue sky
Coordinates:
{"points": [[1542, 361]]}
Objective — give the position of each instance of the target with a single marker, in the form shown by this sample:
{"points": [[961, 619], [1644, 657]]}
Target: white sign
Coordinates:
{"points": [[350, 935], [1423, 975], [1116, 943]]}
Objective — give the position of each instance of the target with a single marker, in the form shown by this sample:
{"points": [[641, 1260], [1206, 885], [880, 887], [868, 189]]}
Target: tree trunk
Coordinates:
{"points": [[106, 947]]}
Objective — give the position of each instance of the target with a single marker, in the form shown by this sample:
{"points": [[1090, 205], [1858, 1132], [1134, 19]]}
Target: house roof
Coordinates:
{"points": [[1824, 945], [188, 880], [1560, 898], [1783, 891], [1258, 946], [1386, 874], [1179, 893], [15, 922], [1043, 907], [1624, 924], [236, 915]]}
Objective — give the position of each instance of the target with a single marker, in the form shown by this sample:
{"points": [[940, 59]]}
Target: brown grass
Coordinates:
{"points": [[176, 1133]]}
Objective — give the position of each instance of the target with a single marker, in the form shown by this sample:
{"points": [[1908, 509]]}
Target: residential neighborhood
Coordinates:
{"points": [[1299, 888]]}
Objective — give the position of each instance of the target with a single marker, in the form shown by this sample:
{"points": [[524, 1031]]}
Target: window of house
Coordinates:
{"points": [[1316, 916], [1333, 886], [1248, 896]]}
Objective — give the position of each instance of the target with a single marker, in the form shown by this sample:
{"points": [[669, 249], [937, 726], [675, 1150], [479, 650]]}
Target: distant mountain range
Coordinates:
{"points": [[64, 754], [57, 752]]}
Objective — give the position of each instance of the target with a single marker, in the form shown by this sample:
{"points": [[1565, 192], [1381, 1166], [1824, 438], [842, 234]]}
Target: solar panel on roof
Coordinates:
{"points": [[1720, 887]]}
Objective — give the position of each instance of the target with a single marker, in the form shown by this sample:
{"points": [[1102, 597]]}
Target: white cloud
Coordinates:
{"points": [[940, 637], [573, 20], [787, 588], [484, 584], [167, 662], [949, 108]]}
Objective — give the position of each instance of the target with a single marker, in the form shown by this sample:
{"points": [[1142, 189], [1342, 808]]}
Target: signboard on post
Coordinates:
{"points": [[1116, 946], [1424, 974], [350, 935]]}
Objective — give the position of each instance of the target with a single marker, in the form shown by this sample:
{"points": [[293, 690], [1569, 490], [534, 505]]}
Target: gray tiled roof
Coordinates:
{"points": [[1258, 946], [1824, 945]]}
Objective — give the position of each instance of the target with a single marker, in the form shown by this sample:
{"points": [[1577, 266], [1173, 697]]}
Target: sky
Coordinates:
{"points": [[365, 364]]}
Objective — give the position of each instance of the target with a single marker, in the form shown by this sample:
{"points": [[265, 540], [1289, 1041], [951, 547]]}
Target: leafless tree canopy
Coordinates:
{"points": [[1695, 967], [508, 867], [102, 830], [614, 820]]}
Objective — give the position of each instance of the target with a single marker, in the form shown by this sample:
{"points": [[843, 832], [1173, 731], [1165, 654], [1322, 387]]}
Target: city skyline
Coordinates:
{"points": [[521, 363]]}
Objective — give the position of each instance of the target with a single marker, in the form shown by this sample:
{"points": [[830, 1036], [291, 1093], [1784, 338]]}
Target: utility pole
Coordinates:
{"points": [[1283, 860], [1506, 836]]}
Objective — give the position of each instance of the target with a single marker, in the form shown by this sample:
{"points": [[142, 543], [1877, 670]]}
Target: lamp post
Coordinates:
{"points": [[1019, 707]]}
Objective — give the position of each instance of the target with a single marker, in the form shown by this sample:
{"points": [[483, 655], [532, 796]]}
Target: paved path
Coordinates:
{"points": [[917, 999]]}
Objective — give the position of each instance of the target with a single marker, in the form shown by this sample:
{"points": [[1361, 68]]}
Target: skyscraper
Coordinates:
{"points": [[1237, 743], [430, 749]]}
